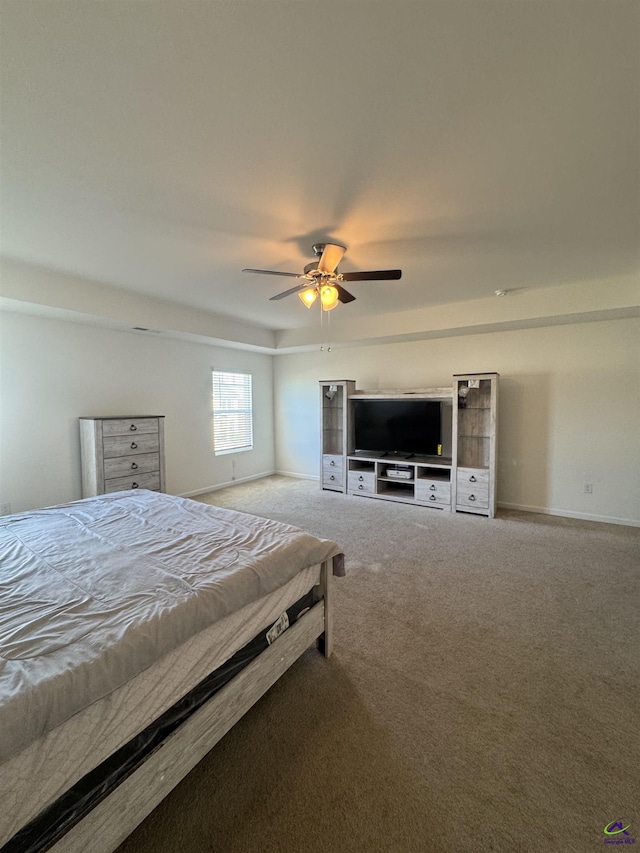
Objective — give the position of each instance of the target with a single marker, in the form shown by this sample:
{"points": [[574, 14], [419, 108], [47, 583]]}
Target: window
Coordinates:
{"points": [[232, 412]]}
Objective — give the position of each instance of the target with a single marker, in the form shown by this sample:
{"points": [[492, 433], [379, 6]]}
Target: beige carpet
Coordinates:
{"points": [[483, 694]]}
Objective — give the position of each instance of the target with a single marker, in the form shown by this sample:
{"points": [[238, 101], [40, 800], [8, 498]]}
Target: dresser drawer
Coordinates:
{"points": [[142, 481], [125, 466], [127, 427], [472, 487], [361, 481], [433, 491], [123, 445]]}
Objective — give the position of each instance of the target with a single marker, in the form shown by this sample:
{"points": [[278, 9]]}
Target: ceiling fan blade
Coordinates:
{"points": [[297, 289], [274, 272], [343, 295], [331, 257], [372, 275]]}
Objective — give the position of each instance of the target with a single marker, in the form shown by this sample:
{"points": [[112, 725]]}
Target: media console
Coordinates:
{"points": [[462, 479], [423, 480]]}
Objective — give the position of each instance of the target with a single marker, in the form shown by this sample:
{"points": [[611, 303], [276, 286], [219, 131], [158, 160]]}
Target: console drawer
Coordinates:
{"points": [[433, 491], [362, 481]]}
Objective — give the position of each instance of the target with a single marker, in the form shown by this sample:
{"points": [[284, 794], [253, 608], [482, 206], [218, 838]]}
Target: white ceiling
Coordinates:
{"points": [[163, 146]]}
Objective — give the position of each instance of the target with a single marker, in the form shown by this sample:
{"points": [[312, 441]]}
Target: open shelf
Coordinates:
{"points": [[361, 464], [395, 488], [431, 473]]}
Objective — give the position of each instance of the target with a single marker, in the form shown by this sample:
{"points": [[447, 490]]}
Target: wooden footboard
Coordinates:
{"points": [[325, 640], [112, 820]]}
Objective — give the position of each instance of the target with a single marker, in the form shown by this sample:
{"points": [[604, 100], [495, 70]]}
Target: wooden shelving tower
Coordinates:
{"points": [[475, 410], [336, 433]]}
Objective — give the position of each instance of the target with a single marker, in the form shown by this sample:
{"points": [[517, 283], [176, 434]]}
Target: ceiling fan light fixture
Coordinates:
{"points": [[328, 297], [322, 279], [309, 296]]}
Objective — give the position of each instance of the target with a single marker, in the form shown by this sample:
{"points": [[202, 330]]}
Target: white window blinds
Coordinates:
{"points": [[232, 412]]}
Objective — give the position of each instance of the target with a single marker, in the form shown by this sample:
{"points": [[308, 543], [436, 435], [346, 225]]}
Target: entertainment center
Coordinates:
{"points": [[433, 447]]}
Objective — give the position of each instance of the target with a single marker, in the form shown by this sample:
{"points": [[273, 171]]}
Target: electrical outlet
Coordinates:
{"points": [[5, 509], [588, 488]]}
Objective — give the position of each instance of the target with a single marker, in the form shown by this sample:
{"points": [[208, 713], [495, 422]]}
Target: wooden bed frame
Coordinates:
{"points": [[111, 821]]}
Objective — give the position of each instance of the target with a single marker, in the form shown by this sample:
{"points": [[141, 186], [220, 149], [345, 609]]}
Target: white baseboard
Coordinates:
{"points": [[298, 476], [226, 485], [565, 513]]}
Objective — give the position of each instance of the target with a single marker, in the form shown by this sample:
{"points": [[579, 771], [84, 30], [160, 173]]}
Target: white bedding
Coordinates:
{"points": [[93, 592]]}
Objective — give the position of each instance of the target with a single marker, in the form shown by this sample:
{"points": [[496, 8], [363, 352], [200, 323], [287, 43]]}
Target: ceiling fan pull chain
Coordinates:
{"points": [[322, 342]]}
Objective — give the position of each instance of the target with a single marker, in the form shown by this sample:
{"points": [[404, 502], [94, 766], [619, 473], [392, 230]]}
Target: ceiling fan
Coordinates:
{"points": [[321, 278]]}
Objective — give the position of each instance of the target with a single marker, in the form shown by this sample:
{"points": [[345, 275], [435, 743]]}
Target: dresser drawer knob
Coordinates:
{"points": [[361, 486], [472, 479], [333, 462], [472, 497], [332, 477], [361, 478], [134, 485], [432, 497], [134, 465], [133, 428], [432, 488], [133, 445]]}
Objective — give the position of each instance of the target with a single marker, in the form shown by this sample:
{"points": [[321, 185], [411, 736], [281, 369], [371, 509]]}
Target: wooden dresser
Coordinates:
{"points": [[120, 453]]}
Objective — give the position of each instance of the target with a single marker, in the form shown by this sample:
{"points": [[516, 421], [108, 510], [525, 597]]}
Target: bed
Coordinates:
{"points": [[119, 615]]}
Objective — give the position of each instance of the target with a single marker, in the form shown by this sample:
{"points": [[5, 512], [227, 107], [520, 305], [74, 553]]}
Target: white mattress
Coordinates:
{"points": [[94, 592], [37, 776], [113, 608]]}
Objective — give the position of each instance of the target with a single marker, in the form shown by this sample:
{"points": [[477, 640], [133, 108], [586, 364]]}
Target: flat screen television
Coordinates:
{"points": [[398, 427]]}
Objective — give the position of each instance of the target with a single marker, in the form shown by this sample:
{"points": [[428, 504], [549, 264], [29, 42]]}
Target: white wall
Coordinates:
{"points": [[53, 371], [569, 408]]}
